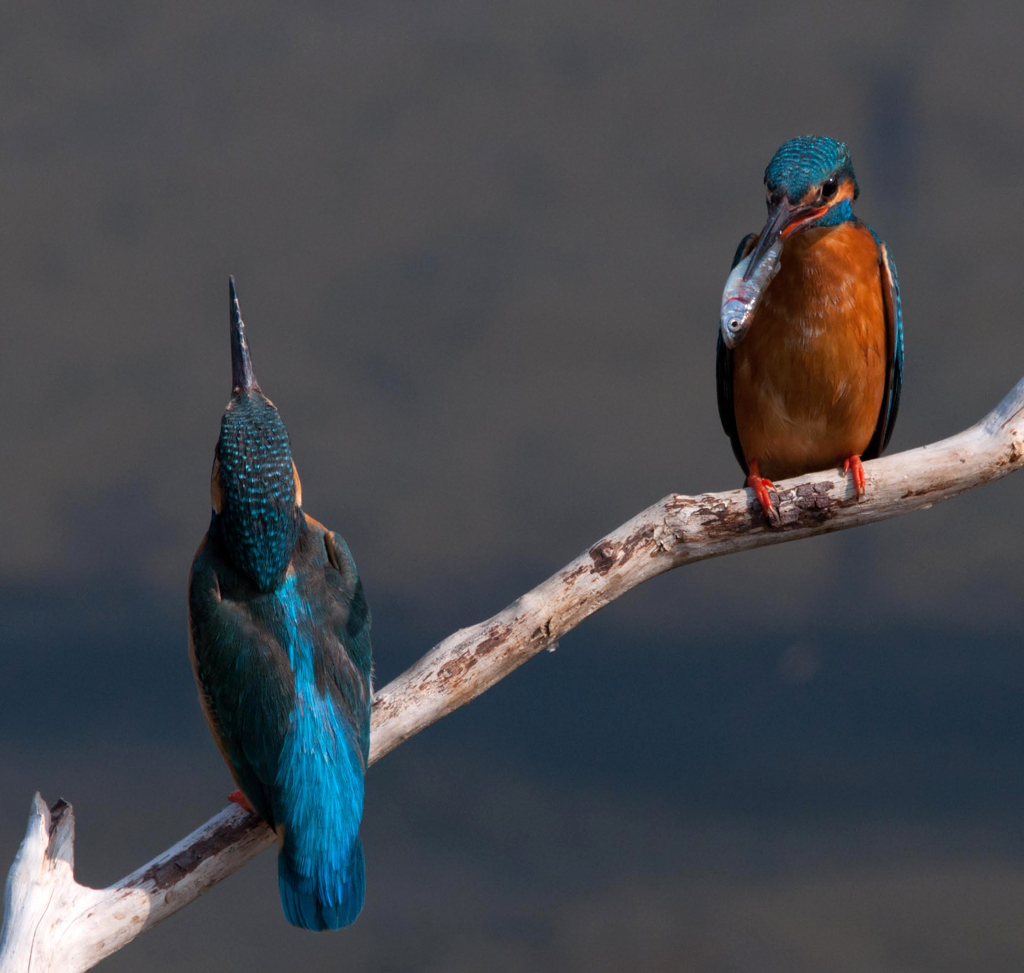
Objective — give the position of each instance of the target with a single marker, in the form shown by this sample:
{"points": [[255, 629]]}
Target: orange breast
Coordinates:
{"points": [[809, 377]]}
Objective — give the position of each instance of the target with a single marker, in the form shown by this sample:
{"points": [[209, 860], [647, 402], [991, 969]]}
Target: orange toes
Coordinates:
{"points": [[761, 486], [237, 797], [860, 485]]}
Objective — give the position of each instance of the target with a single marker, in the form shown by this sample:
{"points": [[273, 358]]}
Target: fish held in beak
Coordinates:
{"points": [[743, 293]]}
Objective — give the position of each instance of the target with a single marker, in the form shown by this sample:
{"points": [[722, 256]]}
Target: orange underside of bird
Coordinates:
{"points": [[810, 375]]}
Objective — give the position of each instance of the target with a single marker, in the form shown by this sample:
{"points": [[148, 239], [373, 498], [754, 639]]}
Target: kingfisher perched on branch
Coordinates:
{"points": [[279, 635], [810, 343]]}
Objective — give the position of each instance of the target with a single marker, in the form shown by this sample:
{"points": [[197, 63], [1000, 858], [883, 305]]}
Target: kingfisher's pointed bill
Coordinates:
{"points": [[243, 378]]}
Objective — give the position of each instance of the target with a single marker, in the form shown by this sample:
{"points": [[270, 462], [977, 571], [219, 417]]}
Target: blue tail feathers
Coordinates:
{"points": [[318, 789], [329, 900]]}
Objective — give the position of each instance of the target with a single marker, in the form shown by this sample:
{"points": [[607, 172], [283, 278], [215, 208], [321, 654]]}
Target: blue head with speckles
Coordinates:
{"points": [[255, 488], [809, 170]]}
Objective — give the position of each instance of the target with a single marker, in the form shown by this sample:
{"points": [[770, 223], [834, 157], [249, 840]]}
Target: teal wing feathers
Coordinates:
{"points": [[723, 370], [244, 681], [349, 676], [894, 353]]}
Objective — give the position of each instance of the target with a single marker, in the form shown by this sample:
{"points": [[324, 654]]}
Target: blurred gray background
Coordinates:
{"points": [[480, 249]]}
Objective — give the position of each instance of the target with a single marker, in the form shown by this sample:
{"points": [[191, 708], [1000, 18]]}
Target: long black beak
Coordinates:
{"points": [[783, 218], [242, 377]]}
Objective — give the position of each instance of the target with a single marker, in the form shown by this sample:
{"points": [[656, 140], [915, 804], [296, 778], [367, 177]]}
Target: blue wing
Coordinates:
{"points": [[284, 678], [723, 370], [320, 786], [894, 353], [243, 679], [349, 675]]}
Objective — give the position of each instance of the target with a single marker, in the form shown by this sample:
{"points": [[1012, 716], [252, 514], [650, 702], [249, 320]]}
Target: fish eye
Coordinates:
{"points": [[829, 187]]}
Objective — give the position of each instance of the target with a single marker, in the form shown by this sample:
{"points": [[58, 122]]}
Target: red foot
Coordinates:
{"points": [[860, 484], [237, 797], [761, 486]]}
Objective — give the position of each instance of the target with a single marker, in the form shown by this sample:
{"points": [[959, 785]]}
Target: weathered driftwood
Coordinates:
{"points": [[54, 925]]}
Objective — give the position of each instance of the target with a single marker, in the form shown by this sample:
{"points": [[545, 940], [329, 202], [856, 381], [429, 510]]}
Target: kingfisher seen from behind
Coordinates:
{"points": [[279, 635], [810, 343]]}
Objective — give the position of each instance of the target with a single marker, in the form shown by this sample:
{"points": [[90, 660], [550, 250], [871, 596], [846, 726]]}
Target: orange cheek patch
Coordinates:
{"points": [[845, 191]]}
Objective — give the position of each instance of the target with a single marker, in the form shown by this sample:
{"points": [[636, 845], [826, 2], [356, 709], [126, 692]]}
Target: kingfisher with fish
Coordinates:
{"points": [[810, 341], [279, 636]]}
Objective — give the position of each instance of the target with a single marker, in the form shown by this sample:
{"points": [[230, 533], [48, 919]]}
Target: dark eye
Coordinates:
{"points": [[828, 188]]}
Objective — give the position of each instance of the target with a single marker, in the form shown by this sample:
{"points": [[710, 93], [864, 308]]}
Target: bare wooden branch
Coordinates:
{"points": [[54, 925]]}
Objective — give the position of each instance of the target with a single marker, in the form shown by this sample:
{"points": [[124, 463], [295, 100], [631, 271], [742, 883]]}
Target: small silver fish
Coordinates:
{"points": [[741, 296]]}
